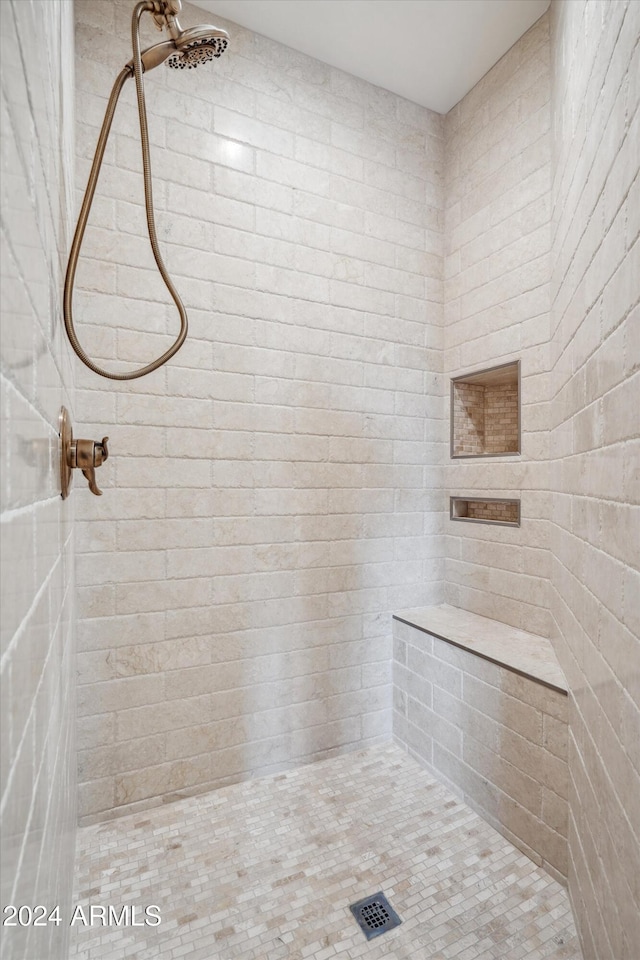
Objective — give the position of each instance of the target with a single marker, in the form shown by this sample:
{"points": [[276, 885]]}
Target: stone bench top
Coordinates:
{"points": [[524, 653]]}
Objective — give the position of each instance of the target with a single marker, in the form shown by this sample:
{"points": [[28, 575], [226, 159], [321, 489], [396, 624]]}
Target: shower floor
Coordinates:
{"points": [[266, 870]]}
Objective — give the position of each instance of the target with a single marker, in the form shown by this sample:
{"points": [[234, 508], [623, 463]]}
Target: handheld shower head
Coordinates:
{"points": [[193, 46], [185, 48], [196, 45]]}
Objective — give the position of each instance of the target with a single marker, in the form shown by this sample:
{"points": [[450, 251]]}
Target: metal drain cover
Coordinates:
{"points": [[375, 915]]}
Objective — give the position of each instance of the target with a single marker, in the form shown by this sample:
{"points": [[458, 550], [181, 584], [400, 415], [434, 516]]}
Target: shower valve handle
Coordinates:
{"points": [[88, 455]]}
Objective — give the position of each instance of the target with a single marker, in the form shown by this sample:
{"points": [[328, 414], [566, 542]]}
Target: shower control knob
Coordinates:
{"points": [[89, 454], [85, 454]]}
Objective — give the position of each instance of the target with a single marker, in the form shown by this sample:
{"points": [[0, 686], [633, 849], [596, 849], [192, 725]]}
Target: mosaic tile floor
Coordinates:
{"points": [[266, 870]]}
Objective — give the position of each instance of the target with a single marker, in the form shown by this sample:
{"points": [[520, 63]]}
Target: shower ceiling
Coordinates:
{"points": [[429, 51]]}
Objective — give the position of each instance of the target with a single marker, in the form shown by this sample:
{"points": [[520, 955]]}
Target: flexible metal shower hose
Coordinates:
{"points": [[122, 77]]}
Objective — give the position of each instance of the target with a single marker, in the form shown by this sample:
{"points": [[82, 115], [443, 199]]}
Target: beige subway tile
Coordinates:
{"points": [[435, 670], [554, 737], [555, 811], [162, 779], [506, 777], [99, 633], [96, 796], [95, 731], [119, 694], [154, 718], [106, 761], [95, 666], [205, 739], [157, 596], [521, 717]]}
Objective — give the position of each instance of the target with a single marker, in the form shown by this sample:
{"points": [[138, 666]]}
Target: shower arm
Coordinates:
{"points": [[134, 68]]}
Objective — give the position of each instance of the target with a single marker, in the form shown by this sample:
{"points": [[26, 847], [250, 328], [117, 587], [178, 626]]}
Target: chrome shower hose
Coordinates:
{"points": [[136, 69]]}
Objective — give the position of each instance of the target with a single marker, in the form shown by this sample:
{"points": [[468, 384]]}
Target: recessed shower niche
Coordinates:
{"points": [[503, 512], [485, 412]]}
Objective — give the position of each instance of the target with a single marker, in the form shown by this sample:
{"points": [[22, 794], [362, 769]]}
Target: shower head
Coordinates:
{"points": [[190, 48], [187, 48], [196, 45]]}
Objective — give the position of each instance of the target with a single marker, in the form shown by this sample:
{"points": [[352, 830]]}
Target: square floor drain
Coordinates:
{"points": [[375, 915]]}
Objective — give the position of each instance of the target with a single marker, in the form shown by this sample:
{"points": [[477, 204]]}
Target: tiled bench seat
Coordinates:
{"points": [[484, 706]]}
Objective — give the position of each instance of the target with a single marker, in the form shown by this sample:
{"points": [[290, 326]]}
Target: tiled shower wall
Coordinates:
{"points": [[496, 738], [501, 418], [273, 494], [594, 449], [497, 310], [38, 806], [468, 415]]}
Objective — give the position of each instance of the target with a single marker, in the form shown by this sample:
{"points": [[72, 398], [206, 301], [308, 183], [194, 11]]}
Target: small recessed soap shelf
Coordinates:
{"points": [[496, 510], [485, 412]]}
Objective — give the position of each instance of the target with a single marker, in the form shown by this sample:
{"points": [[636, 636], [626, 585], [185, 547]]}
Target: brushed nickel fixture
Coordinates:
{"points": [[83, 454], [186, 48]]}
